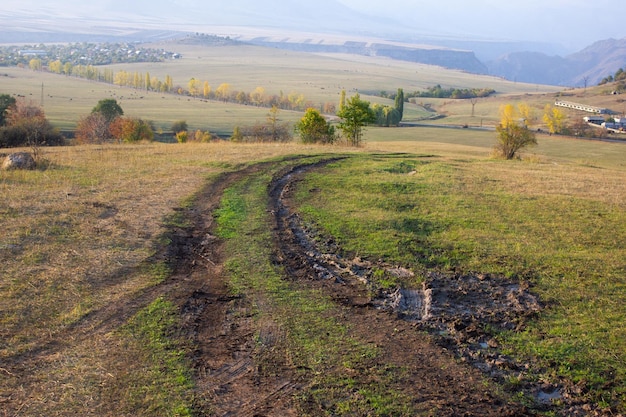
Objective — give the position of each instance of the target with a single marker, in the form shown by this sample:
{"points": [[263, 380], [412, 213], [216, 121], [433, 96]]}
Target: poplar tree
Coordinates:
{"points": [[400, 102]]}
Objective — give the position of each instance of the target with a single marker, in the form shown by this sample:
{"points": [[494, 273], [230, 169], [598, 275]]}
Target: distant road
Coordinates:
{"points": [[418, 124]]}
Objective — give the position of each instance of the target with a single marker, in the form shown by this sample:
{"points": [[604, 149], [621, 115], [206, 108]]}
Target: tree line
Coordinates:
{"points": [[195, 87], [25, 124], [454, 93]]}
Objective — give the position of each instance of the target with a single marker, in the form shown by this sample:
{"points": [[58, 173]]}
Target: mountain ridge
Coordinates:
{"points": [[586, 67]]}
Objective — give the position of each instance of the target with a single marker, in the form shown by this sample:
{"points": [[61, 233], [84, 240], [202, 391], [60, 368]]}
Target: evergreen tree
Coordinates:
{"points": [[400, 102]]}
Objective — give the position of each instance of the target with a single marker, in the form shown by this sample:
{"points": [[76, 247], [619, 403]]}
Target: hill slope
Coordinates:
{"points": [[587, 66]]}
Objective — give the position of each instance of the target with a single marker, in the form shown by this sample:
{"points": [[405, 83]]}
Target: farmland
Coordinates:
{"points": [[208, 279], [319, 78]]}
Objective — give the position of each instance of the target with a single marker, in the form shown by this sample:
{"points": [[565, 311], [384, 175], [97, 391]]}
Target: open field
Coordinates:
{"points": [[228, 279], [85, 279], [319, 77]]}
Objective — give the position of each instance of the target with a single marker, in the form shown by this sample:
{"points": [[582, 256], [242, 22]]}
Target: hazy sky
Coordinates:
{"points": [[572, 23]]}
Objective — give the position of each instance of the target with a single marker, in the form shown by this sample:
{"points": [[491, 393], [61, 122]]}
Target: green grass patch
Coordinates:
{"points": [[312, 341], [551, 226], [164, 386]]}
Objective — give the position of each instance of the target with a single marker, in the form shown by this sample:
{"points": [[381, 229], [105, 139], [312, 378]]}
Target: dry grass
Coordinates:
{"points": [[75, 240]]}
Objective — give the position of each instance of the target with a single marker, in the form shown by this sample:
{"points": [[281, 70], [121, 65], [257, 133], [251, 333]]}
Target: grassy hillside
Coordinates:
{"points": [[81, 235]]}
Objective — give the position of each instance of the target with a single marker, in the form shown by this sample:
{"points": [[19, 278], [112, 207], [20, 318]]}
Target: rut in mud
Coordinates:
{"points": [[227, 336], [422, 331]]}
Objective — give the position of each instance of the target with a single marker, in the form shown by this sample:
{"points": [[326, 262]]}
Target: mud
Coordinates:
{"points": [[460, 312]]}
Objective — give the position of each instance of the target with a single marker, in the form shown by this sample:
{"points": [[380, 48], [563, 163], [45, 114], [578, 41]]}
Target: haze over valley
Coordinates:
{"points": [[536, 43]]}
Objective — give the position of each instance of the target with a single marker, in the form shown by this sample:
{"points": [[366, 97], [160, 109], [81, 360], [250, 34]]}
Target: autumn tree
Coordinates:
{"points": [[342, 100], [314, 128], [223, 92], [329, 108], [182, 136], [202, 136], [512, 135], [96, 127], [554, 118], [241, 97], [55, 66], [527, 114], [35, 64], [93, 128], [137, 80], [257, 96], [169, 83], [128, 130], [355, 115], [26, 125], [194, 87]]}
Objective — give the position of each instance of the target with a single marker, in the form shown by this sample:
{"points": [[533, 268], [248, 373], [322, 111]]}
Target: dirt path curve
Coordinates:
{"points": [[226, 335], [435, 378]]}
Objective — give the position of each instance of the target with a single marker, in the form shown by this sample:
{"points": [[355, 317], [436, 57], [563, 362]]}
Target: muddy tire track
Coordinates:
{"points": [[224, 336], [194, 256], [393, 321], [456, 312]]}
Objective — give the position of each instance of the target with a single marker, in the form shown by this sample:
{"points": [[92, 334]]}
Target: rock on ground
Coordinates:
{"points": [[19, 160]]}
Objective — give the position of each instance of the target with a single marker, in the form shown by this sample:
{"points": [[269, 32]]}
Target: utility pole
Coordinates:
{"points": [[42, 95]]}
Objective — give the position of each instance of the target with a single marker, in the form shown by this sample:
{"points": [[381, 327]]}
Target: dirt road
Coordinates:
{"points": [[229, 381], [430, 349]]}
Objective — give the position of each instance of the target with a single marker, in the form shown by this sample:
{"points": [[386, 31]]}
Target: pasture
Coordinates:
{"points": [[320, 78]]}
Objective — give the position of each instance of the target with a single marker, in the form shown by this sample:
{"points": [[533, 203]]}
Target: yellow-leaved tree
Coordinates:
{"points": [[513, 131], [554, 118], [223, 91]]}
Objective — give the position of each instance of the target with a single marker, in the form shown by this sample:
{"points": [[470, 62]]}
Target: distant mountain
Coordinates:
{"points": [[587, 66], [323, 25], [423, 54]]}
